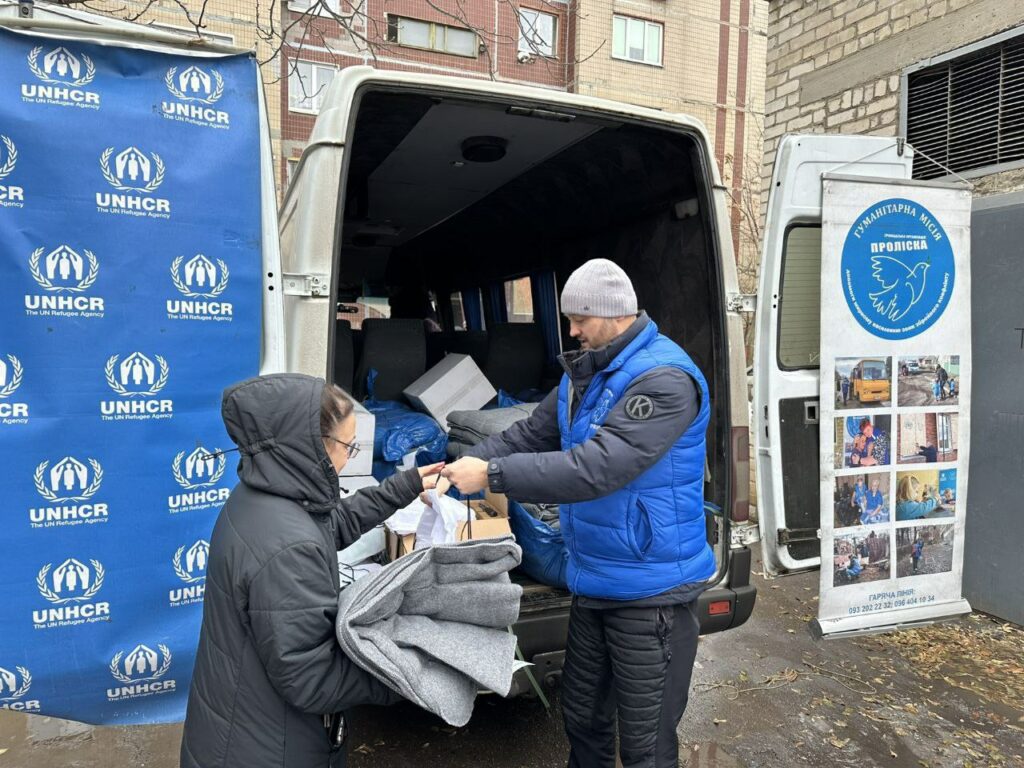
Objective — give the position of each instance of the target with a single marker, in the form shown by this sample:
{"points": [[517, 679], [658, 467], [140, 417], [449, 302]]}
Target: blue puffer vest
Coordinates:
{"points": [[649, 536]]}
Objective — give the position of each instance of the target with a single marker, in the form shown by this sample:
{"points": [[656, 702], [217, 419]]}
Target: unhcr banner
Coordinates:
{"points": [[129, 298], [895, 401]]}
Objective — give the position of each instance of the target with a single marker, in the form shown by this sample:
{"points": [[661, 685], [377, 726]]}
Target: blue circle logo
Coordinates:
{"points": [[897, 269]]}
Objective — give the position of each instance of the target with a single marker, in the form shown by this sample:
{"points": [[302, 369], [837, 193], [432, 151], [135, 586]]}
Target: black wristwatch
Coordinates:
{"points": [[494, 477]]}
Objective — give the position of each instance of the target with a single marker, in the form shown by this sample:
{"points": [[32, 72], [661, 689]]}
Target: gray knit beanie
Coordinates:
{"points": [[599, 288]]}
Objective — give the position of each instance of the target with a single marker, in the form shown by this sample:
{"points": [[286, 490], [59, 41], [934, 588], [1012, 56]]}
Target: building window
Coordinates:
{"points": [[307, 84], [519, 300], [317, 6], [290, 168], [431, 36], [636, 40], [537, 32], [967, 112]]}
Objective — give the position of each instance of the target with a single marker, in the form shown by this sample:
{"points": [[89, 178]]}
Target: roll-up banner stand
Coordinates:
{"points": [[895, 402], [130, 229]]}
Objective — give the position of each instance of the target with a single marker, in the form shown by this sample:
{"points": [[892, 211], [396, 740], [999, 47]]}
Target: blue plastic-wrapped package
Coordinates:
{"points": [[544, 554]]}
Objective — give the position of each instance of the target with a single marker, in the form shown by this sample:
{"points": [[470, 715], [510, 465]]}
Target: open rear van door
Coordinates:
{"points": [[786, 347]]}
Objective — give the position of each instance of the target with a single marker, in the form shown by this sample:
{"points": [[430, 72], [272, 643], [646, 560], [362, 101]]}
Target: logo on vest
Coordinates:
{"points": [[197, 90], [190, 567], [10, 196], [65, 274], [140, 671], [63, 76], [72, 585], [133, 171], [66, 485], [136, 376], [13, 690], [198, 474], [199, 282], [639, 407], [11, 373]]}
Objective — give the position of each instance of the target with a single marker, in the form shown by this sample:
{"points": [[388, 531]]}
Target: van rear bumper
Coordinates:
{"points": [[736, 591]]}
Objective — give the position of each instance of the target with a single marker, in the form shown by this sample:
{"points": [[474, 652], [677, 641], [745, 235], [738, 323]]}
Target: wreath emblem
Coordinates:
{"points": [[115, 667], [53, 597], [187, 484], [15, 382], [184, 575], [115, 182], [46, 284], [26, 683], [88, 493], [218, 89], [215, 291], [118, 387], [85, 79], [12, 157]]}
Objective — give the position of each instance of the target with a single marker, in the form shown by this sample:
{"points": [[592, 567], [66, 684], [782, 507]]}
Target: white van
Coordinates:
{"points": [[457, 189]]}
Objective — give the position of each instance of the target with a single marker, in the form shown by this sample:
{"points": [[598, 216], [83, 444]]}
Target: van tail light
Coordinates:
{"points": [[740, 474], [719, 608]]}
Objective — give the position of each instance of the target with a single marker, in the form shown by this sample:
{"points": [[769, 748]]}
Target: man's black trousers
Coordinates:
{"points": [[630, 664]]}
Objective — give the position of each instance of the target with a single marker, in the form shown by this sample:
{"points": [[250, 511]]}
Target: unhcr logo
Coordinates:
{"points": [[68, 486], [140, 672], [11, 374], [14, 690], [10, 196], [133, 171], [62, 77], [196, 90], [198, 474], [71, 586], [190, 567], [199, 281], [136, 377], [65, 274]]}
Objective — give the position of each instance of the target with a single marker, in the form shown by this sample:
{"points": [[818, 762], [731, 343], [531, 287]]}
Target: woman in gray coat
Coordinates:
{"points": [[269, 673]]}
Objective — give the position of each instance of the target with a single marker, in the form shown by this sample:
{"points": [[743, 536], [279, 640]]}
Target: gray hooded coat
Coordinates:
{"points": [[268, 665]]}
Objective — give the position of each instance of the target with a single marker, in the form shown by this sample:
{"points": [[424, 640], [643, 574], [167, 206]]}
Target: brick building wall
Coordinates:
{"points": [[835, 66]]}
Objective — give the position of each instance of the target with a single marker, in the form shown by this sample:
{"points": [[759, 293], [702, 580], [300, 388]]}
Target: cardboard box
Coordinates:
{"points": [[362, 464], [398, 544], [454, 384], [489, 522]]}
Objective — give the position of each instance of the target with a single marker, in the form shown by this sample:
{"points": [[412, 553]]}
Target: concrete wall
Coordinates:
{"points": [[834, 66]]}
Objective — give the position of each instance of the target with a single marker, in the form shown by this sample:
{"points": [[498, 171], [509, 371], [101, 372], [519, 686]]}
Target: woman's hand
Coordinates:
{"points": [[431, 478]]}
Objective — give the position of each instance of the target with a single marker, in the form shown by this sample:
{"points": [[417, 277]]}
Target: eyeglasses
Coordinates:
{"points": [[353, 450]]}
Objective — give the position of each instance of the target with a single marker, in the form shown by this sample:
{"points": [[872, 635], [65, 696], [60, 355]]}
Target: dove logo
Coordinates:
{"points": [[14, 686], [190, 566], [198, 473], [898, 269], [140, 671], [63, 76], [68, 485], [196, 90]]}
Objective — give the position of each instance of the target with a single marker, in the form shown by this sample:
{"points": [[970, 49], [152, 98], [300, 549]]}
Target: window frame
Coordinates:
{"points": [[781, 300], [317, 92], [524, 46], [389, 17], [647, 24], [295, 6], [944, 58]]}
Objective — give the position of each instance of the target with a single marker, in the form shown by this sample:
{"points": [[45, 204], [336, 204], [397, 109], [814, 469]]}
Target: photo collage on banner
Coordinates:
{"points": [[130, 296], [895, 390]]}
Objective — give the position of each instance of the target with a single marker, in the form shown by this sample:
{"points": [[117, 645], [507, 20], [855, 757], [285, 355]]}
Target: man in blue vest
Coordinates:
{"points": [[620, 446]]}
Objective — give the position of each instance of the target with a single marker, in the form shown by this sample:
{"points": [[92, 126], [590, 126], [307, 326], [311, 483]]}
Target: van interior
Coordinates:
{"points": [[470, 214]]}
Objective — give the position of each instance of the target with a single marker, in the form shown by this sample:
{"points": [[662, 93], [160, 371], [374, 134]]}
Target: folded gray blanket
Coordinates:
{"points": [[472, 427], [433, 624]]}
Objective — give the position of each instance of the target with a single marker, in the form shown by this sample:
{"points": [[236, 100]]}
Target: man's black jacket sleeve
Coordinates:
{"points": [[629, 442]]}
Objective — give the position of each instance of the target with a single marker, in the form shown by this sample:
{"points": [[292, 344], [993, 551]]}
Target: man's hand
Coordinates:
{"points": [[468, 474], [432, 478]]}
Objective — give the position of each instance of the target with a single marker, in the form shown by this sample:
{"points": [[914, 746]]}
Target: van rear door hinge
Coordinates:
{"points": [[794, 535], [314, 286], [741, 302]]}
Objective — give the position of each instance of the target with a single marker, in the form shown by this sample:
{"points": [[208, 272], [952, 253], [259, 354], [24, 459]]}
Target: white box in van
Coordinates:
{"points": [[361, 464], [454, 384]]}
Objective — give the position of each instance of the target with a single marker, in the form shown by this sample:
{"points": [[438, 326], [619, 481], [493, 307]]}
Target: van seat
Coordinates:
{"points": [[397, 349], [472, 343], [515, 357], [437, 347]]}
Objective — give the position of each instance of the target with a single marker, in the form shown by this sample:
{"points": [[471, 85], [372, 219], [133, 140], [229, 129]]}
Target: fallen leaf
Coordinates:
{"points": [[716, 721], [791, 631], [744, 677], [838, 743], [840, 723], [893, 752]]}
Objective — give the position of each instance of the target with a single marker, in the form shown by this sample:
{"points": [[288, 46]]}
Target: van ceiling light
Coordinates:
{"points": [[484, 149]]}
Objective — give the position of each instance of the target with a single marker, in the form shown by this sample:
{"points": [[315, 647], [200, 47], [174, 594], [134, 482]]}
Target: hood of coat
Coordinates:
{"points": [[275, 422]]}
